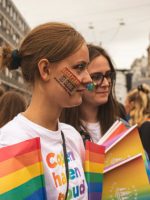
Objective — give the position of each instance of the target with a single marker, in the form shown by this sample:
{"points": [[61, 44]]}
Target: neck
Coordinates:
{"points": [[44, 113], [89, 113]]}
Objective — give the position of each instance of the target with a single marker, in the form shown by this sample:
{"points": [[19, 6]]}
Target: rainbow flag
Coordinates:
{"points": [[94, 165], [21, 171], [127, 145], [113, 132], [126, 180]]}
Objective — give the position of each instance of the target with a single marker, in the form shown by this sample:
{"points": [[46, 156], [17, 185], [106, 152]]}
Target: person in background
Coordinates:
{"points": [[144, 130], [137, 106], [53, 58], [11, 103], [99, 108]]}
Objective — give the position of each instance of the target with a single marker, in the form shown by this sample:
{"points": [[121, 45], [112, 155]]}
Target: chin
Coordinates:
{"points": [[102, 101], [74, 102]]}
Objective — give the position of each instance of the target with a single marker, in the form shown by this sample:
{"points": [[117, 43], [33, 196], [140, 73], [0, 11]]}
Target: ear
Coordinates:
{"points": [[44, 69]]}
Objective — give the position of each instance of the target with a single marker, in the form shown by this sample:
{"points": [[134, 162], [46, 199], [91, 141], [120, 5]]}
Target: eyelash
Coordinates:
{"points": [[95, 77], [80, 67]]}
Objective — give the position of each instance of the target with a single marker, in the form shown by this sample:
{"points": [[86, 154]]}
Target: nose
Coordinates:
{"points": [[105, 82], [86, 78]]}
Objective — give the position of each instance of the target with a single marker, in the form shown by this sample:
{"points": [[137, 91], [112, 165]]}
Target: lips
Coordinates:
{"points": [[102, 92], [81, 90]]}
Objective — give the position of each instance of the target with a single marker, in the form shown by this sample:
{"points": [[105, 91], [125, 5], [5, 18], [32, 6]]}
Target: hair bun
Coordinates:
{"points": [[16, 59]]}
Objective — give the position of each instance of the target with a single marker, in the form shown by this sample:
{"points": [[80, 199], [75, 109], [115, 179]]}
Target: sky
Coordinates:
{"points": [[122, 27]]}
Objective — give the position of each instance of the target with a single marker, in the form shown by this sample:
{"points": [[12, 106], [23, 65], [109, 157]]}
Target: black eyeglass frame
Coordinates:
{"points": [[98, 77]]}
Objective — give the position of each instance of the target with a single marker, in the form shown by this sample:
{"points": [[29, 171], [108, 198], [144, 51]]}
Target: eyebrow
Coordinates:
{"points": [[100, 72]]}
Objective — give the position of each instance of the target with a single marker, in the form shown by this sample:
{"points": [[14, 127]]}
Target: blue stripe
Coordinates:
{"points": [[38, 195], [94, 187]]}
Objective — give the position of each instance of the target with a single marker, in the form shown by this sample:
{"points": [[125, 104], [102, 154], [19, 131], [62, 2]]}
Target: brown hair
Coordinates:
{"points": [[11, 103], [1, 91], [108, 112], [53, 41]]}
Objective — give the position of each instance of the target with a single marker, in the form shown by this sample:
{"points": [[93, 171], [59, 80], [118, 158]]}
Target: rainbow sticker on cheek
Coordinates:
{"points": [[68, 81], [91, 86]]}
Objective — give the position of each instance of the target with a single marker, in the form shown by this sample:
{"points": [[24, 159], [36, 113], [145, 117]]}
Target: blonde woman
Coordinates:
{"points": [[137, 104]]}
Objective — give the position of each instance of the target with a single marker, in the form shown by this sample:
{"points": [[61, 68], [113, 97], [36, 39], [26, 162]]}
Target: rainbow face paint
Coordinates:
{"points": [[91, 86], [68, 81]]}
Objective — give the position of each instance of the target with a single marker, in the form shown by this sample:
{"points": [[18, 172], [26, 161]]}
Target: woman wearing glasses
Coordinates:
{"points": [[99, 108]]}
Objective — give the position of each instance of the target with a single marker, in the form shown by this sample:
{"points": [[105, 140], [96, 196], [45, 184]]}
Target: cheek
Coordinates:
{"points": [[88, 95], [71, 101]]}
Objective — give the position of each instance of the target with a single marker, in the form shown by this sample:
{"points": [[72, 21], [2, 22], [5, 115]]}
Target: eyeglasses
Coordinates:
{"points": [[98, 77]]}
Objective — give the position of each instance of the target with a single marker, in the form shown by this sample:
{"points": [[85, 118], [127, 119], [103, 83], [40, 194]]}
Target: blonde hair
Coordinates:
{"points": [[139, 98]]}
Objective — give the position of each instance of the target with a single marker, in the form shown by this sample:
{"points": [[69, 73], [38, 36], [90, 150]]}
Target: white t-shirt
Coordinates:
{"points": [[21, 129], [94, 130]]}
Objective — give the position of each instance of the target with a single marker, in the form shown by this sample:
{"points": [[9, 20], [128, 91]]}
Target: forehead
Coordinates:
{"points": [[82, 54], [98, 64]]}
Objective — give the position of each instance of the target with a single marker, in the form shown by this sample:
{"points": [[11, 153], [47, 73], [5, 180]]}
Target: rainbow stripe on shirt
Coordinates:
{"points": [[21, 171]]}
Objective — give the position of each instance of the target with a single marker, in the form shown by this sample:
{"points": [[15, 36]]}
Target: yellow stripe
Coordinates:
{"points": [[93, 167], [19, 177]]}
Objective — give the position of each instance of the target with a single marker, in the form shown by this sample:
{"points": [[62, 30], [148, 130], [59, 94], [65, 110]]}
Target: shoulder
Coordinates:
{"points": [[74, 139], [71, 134], [145, 125], [12, 133], [144, 130], [69, 130], [9, 127]]}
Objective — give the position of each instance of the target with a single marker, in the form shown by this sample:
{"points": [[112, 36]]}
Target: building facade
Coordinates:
{"points": [[123, 84], [138, 73], [13, 29], [141, 70]]}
